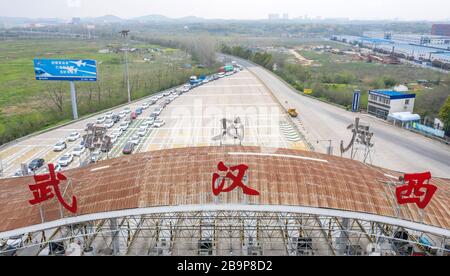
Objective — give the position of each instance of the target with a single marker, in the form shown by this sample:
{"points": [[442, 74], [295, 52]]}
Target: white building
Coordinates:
{"points": [[384, 102]]}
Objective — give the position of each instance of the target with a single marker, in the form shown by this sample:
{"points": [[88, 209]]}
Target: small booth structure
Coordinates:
{"points": [[405, 118]]}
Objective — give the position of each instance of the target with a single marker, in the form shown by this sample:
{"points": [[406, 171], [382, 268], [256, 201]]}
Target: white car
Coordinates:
{"points": [[65, 160], [60, 146], [142, 132], [109, 115], [117, 132], [135, 139], [150, 121], [145, 106], [113, 139], [159, 123], [109, 124], [101, 120], [73, 137], [15, 242], [221, 75], [78, 151], [95, 157], [127, 110], [124, 126], [122, 115], [58, 168]]}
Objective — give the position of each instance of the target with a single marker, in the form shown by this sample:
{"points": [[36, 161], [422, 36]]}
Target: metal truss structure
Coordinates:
{"points": [[228, 233]]}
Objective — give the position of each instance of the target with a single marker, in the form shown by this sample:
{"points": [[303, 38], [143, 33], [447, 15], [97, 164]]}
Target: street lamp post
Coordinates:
{"points": [[330, 147], [125, 33]]}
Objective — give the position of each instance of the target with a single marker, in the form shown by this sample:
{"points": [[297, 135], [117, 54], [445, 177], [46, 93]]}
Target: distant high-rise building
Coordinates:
{"points": [[441, 29], [76, 20], [274, 16]]}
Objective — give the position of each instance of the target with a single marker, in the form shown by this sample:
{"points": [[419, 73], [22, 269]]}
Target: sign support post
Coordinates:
{"points": [[73, 95]]}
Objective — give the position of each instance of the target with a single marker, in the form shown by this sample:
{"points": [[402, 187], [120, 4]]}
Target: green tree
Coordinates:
{"points": [[444, 114]]}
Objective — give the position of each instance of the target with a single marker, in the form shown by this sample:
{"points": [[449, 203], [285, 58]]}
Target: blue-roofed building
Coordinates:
{"points": [[384, 102]]}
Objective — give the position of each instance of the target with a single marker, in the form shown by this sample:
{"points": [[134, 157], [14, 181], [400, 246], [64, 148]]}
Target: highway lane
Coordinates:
{"points": [[395, 148], [192, 120]]}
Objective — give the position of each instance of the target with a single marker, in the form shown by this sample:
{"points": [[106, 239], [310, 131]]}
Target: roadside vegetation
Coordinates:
{"points": [[334, 78], [27, 105]]}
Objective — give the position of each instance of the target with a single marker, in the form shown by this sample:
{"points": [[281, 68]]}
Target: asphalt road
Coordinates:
{"points": [[395, 148]]}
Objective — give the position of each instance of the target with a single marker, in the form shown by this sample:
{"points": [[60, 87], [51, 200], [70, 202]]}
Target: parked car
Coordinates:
{"points": [[101, 120], [127, 110], [115, 118], [133, 116], [142, 131], [58, 168], [73, 137], [150, 121], [88, 126], [122, 114], [145, 125], [128, 148], [60, 146], [109, 115], [95, 157], [166, 93], [65, 160], [78, 151], [136, 139], [109, 124], [36, 164], [124, 126], [159, 123], [145, 105], [117, 132], [113, 139]]}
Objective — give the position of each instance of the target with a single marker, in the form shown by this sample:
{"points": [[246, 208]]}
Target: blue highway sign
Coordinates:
{"points": [[65, 70], [356, 101]]}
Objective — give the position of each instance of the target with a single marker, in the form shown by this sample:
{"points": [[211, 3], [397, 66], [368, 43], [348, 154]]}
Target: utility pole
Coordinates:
{"points": [[125, 33]]}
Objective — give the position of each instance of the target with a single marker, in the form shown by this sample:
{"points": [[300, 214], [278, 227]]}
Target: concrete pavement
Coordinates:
{"points": [[395, 148]]}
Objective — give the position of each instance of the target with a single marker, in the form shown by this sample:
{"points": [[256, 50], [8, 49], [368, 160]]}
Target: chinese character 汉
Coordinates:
{"points": [[416, 191], [237, 180], [47, 186]]}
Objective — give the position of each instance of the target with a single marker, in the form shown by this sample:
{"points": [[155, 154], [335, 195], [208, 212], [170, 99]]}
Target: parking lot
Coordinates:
{"points": [[193, 119]]}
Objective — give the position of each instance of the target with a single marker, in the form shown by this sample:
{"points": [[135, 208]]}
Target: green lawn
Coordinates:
{"points": [[27, 105]]}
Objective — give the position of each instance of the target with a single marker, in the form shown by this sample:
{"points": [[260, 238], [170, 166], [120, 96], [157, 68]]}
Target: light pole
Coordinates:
{"points": [[125, 33], [330, 147]]}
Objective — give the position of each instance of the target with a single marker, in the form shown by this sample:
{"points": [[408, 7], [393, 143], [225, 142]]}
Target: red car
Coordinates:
{"points": [[133, 116]]}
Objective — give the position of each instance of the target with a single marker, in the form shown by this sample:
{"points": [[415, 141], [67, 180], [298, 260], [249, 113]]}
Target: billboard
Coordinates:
{"points": [[65, 70]]}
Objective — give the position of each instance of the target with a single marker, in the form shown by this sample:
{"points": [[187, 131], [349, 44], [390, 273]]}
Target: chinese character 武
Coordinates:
{"points": [[47, 186]]}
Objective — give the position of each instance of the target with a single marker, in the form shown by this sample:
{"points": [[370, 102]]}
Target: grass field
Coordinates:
{"points": [[27, 105]]}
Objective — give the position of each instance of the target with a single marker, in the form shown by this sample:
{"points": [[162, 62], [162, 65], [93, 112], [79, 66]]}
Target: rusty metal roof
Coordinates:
{"points": [[180, 177]]}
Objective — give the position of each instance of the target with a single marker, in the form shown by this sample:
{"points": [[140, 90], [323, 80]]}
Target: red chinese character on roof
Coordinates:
{"points": [[416, 191], [237, 180], [47, 186]]}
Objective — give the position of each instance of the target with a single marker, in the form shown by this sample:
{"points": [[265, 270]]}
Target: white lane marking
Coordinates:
{"points": [[100, 168], [232, 85], [278, 155], [239, 104]]}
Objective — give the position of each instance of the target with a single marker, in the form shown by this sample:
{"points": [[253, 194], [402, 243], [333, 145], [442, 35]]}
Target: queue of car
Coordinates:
{"points": [[110, 119]]}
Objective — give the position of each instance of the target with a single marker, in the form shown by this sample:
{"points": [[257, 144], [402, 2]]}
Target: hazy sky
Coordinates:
{"points": [[230, 9]]}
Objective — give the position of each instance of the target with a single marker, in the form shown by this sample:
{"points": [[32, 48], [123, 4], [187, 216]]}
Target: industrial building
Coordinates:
{"points": [[441, 29], [384, 102]]}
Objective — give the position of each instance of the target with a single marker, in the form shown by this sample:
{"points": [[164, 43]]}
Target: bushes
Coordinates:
{"points": [[263, 59]]}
